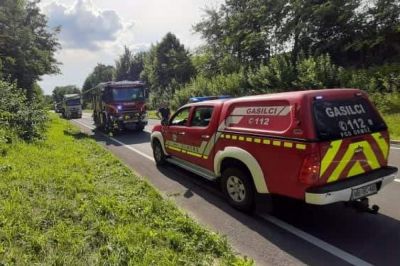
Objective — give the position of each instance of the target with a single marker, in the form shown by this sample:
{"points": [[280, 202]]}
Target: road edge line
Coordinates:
{"points": [[117, 141], [337, 252]]}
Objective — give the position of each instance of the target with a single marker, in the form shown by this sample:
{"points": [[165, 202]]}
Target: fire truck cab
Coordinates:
{"points": [[120, 105], [319, 146]]}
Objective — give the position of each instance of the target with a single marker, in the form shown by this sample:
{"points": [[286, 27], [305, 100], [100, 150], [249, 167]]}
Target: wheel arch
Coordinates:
{"points": [[243, 158], [156, 135]]}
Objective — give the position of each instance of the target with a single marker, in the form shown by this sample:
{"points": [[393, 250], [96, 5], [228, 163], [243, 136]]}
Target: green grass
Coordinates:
{"points": [[152, 114], [66, 200], [393, 122]]}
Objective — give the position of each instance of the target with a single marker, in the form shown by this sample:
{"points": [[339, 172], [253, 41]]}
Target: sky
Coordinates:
{"points": [[95, 31]]}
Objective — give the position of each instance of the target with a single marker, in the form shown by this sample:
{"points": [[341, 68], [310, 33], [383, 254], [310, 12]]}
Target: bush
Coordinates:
{"points": [[234, 84], [379, 79], [18, 116], [278, 75]]}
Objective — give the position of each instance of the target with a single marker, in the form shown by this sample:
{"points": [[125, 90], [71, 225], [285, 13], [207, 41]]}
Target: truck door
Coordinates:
{"points": [[199, 137], [175, 132]]}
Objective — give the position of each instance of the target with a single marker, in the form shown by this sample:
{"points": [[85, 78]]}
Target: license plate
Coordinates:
{"points": [[364, 191]]}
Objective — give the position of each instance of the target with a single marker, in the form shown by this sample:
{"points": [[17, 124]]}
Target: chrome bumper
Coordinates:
{"points": [[342, 190]]}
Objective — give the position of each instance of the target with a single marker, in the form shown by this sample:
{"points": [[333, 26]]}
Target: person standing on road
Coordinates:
{"points": [[163, 113]]}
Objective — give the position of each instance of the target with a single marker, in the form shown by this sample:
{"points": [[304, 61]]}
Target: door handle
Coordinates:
{"points": [[205, 136], [181, 133]]}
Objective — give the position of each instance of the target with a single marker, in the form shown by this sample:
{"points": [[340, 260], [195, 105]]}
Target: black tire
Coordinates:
{"points": [[238, 189], [158, 153]]}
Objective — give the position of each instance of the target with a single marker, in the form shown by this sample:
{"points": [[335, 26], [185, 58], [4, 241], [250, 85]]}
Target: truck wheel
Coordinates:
{"points": [[238, 189], [158, 153]]}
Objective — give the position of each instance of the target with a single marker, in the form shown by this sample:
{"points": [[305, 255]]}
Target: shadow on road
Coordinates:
{"points": [[372, 238]]}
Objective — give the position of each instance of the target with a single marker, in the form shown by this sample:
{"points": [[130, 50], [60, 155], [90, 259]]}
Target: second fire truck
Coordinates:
{"points": [[120, 105]]}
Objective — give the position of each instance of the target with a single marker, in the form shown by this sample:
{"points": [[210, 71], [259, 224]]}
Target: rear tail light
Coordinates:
{"points": [[309, 173]]}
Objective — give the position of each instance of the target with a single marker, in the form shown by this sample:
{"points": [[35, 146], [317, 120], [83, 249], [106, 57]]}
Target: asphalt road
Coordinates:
{"points": [[290, 233]]}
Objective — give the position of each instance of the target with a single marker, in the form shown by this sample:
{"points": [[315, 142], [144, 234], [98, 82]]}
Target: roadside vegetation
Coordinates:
{"points": [[66, 200]]}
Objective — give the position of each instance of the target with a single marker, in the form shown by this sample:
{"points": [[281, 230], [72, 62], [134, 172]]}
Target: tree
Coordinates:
{"points": [[27, 45], [101, 73], [137, 66], [123, 65], [59, 92], [167, 66]]}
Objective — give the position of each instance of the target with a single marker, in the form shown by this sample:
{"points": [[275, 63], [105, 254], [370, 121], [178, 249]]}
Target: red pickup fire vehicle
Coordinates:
{"points": [[320, 146], [120, 105]]}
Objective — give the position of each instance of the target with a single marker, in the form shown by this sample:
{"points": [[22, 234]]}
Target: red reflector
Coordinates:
{"points": [[309, 173]]}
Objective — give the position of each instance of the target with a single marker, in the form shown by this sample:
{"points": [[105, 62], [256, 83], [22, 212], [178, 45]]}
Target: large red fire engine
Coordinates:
{"points": [[320, 146], [120, 105]]}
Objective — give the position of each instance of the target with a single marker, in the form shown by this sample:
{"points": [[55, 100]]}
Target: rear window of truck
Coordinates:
{"points": [[345, 118]]}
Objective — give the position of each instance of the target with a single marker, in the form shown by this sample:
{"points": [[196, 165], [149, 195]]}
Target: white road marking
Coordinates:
{"points": [[295, 231], [397, 180], [316, 241], [119, 142], [394, 148]]}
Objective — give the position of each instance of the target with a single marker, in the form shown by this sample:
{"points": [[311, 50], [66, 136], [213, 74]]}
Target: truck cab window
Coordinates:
{"points": [[180, 118], [202, 116]]}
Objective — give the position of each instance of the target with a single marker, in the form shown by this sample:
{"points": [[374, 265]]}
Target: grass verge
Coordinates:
{"points": [[393, 122], [66, 200], [152, 114]]}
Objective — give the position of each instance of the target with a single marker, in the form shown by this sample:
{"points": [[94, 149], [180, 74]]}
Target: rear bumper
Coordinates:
{"points": [[342, 190]]}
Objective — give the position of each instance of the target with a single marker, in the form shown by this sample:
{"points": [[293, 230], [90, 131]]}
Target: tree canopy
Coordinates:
{"points": [[27, 45], [59, 92]]}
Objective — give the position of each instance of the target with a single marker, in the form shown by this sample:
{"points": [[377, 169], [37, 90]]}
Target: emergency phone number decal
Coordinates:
{"points": [[260, 117], [346, 118]]}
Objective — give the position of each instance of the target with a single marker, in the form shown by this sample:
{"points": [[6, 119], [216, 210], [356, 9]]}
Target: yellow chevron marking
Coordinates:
{"points": [[257, 140], [241, 138], [234, 137], [356, 169], [288, 145], [330, 154], [301, 146], [381, 143], [366, 149], [249, 139], [276, 143], [266, 141]]}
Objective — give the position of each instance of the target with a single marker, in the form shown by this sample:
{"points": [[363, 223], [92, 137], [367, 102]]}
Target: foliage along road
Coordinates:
{"points": [[290, 234]]}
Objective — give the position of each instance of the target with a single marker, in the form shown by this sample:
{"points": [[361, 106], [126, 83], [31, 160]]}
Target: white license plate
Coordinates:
{"points": [[364, 191]]}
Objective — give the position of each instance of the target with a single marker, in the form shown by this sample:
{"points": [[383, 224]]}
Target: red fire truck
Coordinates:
{"points": [[120, 105], [320, 146]]}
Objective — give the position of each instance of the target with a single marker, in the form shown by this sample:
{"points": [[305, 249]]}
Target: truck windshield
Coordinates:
{"points": [[346, 118], [73, 102], [128, 94]]}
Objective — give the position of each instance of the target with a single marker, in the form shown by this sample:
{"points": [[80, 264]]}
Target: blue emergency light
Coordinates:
{"points": [[206, 98]]}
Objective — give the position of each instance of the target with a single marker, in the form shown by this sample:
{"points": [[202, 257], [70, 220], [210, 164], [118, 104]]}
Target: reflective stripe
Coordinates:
{"points": [[241, 138], [249, 139], [351, 150], [329, 155], [356, 169], [257, 140], [266, 141], [287, 144], [383, 145], [301, 146], [276, 143]]}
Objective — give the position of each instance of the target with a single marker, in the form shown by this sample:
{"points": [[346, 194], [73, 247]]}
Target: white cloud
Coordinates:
{"points": [[82, 26], [96, 31]]}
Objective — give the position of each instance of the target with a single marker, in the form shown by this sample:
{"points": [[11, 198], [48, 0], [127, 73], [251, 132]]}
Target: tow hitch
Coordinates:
{"points": [[362, 205]]}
